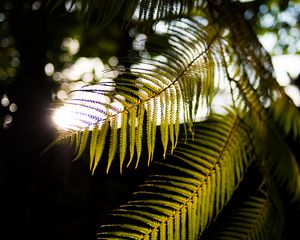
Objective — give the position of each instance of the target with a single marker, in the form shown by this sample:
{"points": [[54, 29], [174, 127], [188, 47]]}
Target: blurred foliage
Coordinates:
{"points": [[98, 37], [9, 56], [93, 41], [100, 12], [279, 21]]}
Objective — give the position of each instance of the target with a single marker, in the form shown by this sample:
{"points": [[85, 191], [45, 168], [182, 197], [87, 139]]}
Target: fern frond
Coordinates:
{"points": [[102, 12], [281, 164], [190, 187], [142, 10], [256, 87], [258, 214], [270, 144], [160, 91], [98, 146], [252, 71], [279, 160], [277, 156], [289, 122], [256, 62]]}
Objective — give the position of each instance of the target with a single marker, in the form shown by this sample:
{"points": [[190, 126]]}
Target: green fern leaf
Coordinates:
{"points": [[159, 9], [258, 214], [113, 141], [123, 139], [81, 142], [94, 138], [100, 145], [167, 90], [282, 165], [290, 120], [191, 189], [139, 133], [254, 82]]}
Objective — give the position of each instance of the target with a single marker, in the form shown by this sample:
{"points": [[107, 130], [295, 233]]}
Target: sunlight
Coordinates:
{"points": [[161, 27], [61, 118], [67, 117], [294, 93], [92, 70], [268, 40], [70, 44], [82, 109], [84, 71], [287, 66], [79, 68]]}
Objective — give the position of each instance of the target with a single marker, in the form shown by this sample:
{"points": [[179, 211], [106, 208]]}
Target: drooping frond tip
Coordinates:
{"points": [[165, 91]]}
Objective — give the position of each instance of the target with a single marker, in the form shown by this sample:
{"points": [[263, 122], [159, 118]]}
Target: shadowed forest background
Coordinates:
{"points": [[49, 196]]}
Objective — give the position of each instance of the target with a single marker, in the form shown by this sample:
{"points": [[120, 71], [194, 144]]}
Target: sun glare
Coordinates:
{"points": [[287, 66], [61, 118]]}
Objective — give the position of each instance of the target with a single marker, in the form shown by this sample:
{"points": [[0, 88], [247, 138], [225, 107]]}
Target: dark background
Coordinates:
{"points": [[48, 196]]}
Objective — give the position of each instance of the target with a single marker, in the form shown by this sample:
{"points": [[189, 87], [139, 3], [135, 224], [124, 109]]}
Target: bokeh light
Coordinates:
{"points": [[5, 101], [75, 75], [9, 56], [49, 69]]}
